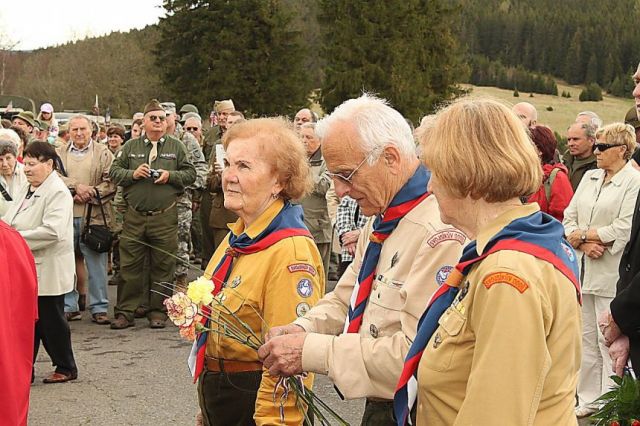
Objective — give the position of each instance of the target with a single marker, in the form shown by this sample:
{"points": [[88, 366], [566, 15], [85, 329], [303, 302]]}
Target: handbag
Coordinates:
{"points": [[97, 237]]}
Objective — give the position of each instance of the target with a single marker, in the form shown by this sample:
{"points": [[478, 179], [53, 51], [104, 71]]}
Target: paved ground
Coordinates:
{"points": [[136, 376]]}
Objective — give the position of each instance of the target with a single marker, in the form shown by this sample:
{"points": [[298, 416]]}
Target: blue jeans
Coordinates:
{"points": [[97, 269]]}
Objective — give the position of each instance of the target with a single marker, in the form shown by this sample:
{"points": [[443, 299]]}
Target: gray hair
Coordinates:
{"points": [[594, 120], [309, 125], [375, 121], [10, 135], [82, 117], [8, 147]]}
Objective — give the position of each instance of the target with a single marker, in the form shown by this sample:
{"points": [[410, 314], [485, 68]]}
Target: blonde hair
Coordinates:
{"points": [[619, 134], [479, 148], [279, 145]]}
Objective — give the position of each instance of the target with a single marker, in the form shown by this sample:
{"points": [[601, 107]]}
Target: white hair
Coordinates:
{"points": [[8, 134], [375, 121], [594, 118]]}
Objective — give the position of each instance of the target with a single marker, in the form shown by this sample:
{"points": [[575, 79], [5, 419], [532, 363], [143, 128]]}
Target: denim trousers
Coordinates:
{"points": [[97, 271]]}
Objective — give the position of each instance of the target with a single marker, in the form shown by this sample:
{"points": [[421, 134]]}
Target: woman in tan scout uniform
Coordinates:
{"points": [[280, 280], [507, 350]]}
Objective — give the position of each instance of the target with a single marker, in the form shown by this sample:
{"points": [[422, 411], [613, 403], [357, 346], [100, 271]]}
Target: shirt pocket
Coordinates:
{"points": [[446, 340], [239, 309], [386, 304]]}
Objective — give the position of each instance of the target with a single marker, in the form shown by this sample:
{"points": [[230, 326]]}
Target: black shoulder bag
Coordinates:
{"points": [[97, 237]]}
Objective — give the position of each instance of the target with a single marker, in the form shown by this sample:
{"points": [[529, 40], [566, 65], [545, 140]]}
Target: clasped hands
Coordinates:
{"points": [[617, 342], [281, 353], [591, 248]]}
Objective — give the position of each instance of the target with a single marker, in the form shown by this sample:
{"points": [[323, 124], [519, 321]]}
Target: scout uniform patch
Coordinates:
{"points": [[505, 278], [302, 267], [302, 309], [304, 287], [236, 282]]}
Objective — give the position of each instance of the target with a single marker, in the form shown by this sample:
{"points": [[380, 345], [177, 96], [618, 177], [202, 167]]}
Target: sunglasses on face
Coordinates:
{"points": [[602, 147], [191, 129], [157, 117]]}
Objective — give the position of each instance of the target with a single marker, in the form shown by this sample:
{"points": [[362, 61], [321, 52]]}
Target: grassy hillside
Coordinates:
{"points": [[564, 112]]}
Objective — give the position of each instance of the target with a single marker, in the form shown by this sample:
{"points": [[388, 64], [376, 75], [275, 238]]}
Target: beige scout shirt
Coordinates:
{"points": [[608, 208], [412, 263], [501, 356]]}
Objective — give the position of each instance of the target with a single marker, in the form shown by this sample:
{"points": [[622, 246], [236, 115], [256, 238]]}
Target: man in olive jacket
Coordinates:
{"points": [[153, 171]]}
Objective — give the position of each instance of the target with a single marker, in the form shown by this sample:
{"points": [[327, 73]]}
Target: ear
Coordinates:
{"points": [[277, 187], [391, 158]]}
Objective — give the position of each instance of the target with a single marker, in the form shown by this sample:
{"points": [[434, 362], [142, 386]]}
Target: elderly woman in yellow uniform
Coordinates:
{"points": [[270, 267], [500, 340]]}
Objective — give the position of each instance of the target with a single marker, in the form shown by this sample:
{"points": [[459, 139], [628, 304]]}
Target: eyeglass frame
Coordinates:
{"points": [[347, 180], [606, 146], [157, 117]]}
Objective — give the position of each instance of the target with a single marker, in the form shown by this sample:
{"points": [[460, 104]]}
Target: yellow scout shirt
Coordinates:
{"points": [[278, 284], [507, 351], [414, 260]]}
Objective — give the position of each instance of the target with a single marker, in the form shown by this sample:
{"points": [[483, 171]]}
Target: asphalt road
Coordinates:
{"points": [[135, 376]]}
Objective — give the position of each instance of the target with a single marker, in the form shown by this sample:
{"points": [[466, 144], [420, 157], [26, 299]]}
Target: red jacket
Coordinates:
{"points": [[561, 191], [18, 315]]}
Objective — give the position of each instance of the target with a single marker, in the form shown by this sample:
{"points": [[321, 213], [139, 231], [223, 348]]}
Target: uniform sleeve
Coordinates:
{"points": [[185, 175], [620, 229], [290, 293], [120, 172], [363, 366], [196, 157], [507, 372]]}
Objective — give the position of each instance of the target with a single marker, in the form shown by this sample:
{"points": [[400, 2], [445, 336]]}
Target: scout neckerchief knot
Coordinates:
{"points": [[538, 234], [287, 223], [410, 195]]}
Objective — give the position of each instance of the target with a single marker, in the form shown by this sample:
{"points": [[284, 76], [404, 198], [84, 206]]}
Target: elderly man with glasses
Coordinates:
{"points": [[153, 171], [360, 333]]}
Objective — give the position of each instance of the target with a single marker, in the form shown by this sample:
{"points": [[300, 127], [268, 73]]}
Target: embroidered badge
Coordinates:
{"points": [[450, 234], [442, 274], [437, 339], [505, 278], [374, 331], [302, 267], [568, 251], [236, 282], [394, 259], [302, 309], [168, 156], [305, 289]]}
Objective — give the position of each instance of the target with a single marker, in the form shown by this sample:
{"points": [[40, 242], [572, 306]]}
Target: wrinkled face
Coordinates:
{"points": [[222, 117], [135, 131], [366, 183], [247, 180], [448, 204], [18, 122], [580, 146], [310, 140], [7, 164], [171, 120], [607, 157], [303, 116], [80, 132], [115, 142], [155, 122], [37, 171], [194, 127]]}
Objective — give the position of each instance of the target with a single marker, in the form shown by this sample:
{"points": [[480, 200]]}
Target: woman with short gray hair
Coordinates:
{"points": [[12, 176]]}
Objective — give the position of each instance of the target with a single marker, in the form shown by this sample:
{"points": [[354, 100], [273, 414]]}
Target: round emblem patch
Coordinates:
{"points": [[236, 282], [568, 251], [302, 309], [305, 289], [442, 274]]}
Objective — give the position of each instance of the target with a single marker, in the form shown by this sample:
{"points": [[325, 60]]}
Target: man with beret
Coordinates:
{"points": [[213, 216], [153, 171]]}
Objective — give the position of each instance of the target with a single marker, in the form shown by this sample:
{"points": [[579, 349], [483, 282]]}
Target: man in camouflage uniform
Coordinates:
{"points": [[191, 194]]}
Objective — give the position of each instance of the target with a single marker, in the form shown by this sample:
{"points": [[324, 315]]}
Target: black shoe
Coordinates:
{"points": [[121, 322]]}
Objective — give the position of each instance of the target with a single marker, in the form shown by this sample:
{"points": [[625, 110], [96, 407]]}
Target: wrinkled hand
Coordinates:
{"points": [[199, 420], [608, 327], [164, 177], [619, 353], [142, 172], [350, 237], [282, 330], [593, 250], [282, 355], [574, 238], [351, 248], [85, 192]]}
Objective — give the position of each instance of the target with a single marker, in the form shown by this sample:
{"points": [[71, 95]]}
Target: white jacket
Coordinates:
{"points": [[18, 181], [45, 221]]}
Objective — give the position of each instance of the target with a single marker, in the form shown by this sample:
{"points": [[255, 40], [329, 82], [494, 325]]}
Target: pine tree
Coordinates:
{"points": [[241, 49], [404, 50]]}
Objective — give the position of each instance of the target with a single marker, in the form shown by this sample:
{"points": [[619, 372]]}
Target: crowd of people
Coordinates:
{"points": [[446, 241]]}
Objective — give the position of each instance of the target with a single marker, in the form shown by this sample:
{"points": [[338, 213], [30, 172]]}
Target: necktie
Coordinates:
{"points": [[154, 151]]}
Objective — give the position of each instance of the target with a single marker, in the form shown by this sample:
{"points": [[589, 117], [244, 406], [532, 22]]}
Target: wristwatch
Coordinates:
{"points": [[583, 237]]}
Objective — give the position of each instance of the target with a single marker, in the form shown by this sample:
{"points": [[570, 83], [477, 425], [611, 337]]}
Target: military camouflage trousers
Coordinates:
{"points": [[184, 233]]}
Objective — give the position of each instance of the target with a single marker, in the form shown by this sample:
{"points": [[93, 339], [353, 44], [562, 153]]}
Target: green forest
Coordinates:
{"points": [[275, 56]]}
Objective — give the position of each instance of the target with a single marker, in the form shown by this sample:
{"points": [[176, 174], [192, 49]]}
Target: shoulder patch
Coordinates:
{"points": [[304, 287], [302, 309], [302, 267], [505, 278], [442, 274], [450, 234]]}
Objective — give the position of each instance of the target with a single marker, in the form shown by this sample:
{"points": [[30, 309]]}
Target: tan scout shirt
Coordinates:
{"points": [[412, 263], [504, 354]]}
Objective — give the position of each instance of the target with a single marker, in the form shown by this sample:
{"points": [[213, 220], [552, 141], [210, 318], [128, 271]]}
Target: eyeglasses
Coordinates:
{"points": [[191, 129], [347, 179], [602, 147], [157, 117]]}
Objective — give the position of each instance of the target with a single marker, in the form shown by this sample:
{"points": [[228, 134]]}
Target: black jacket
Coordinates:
{"points": [[625, 307]]}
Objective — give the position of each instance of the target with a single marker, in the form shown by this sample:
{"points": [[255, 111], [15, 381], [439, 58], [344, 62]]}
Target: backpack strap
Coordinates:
{"points": [[549, 182]]}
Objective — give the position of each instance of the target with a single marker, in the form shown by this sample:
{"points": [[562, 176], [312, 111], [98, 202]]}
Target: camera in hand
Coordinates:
{"points": [[154, 174]]}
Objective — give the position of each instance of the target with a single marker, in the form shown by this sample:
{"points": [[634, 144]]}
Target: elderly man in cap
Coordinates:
{"points": [[213, 216], [153, 171], [27, 122], [360, 333], [191, 195]]}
